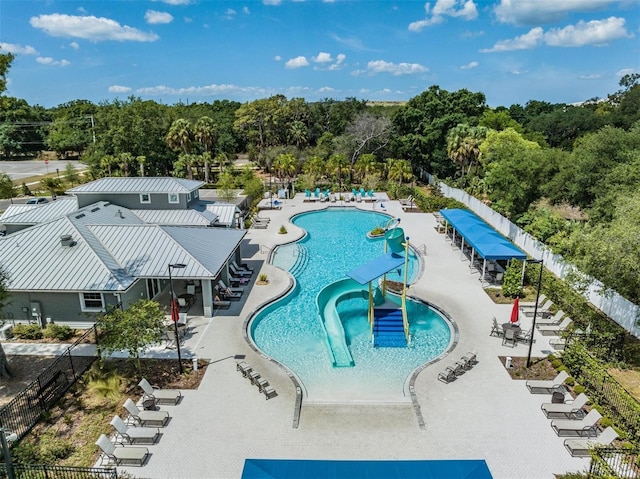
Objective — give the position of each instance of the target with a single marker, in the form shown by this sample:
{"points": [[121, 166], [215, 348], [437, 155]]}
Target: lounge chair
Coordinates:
{"points": [[532, 304], [237, 272], [228, 294], [121, 455], [241, 268], [133, 435], [548, 386], [468, 360], [543, 310], [141, 417], [406, 201], [219, 303], [558, 343], [160, 396], [244, 368], [524, 336], [224, 287], [585, 427], [269, 392], [550, 321], [581, 447], [447, 375], [496, 329], [555, 330], [259, 225], [566, 411]]}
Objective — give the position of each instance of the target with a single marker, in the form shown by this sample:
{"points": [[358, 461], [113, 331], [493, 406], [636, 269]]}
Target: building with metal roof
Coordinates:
{"points": [[77, 265], [17, 217]]}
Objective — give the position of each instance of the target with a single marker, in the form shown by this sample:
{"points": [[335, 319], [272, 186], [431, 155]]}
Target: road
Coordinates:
{"points": [[26, 168]]}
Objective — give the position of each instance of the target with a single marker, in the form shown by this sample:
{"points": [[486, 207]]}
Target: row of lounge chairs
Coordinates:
{"points": [[259, 222], [465, 363], [141, 426], [256, 379], [571, 419]]}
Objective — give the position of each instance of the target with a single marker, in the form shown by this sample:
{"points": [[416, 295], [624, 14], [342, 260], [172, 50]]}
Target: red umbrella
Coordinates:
{"points": [[175, 311], [515, 312]]}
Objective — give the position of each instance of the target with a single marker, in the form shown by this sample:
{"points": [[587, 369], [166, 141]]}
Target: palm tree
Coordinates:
{"points": [[463, 145], [206, 134], [366, 164], [106, 162], [179, 138], [51, 184], [336, 164], [286, 165], [399, 170], [298, 133]]}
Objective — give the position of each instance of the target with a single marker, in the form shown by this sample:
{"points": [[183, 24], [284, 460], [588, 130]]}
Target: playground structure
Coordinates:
{"points": [[388, 320]]}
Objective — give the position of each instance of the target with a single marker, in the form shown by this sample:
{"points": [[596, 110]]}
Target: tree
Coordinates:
{"points": [[226, 186], [336, 165], [463, 146], [399, 170], [7, 189], [180, 137], [52, 185], [5, 64], [205, 133], [71, 174], [285, 166], [133, 330], [369, 133], [4, 294]]}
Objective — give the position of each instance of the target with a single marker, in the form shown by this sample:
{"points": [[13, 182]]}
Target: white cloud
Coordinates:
{"points": [[322, 57], [74, 45], [271, 2], [119, 89], [593, 76], [595, 32], [396, 69], [245, 10], [175, 2], [532, 12], [17, 49], [469, 66], [465, 9], [154, 17], [297, 62], [625, 71], [52, 62], [277, 58], [201, 90], [326, 89], [529, 40], [89, 27]]}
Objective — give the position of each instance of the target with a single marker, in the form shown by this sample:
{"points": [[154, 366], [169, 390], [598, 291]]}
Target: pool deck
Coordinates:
{"points": [[484, 414]]}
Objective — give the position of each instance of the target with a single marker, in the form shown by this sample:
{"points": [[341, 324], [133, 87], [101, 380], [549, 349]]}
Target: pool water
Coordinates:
{"points": [[291, 330]]}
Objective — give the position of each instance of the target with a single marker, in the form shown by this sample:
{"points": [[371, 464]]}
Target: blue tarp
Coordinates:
{"points": [[301, 469], [486, 241], [376, 267]]}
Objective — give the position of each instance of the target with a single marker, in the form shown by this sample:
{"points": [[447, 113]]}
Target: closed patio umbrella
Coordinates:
{"points": [[515, 312]]}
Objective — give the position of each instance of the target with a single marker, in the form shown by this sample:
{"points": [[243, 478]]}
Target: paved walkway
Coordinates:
{"points": [[484, 414]]}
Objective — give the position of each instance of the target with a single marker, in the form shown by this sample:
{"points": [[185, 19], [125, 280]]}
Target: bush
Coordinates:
{"points": [[570, 381], [57, 331], [605, 422], [27, 331], [511, 283], [578, 389], [282, 230], [377, 231]]}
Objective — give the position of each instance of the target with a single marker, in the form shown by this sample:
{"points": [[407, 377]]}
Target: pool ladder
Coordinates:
{"points": [[301, 261]]}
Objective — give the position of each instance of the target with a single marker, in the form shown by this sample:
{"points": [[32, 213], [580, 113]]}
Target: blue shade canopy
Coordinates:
{"points": [[487, 242], [296, 469], [376, 267]]}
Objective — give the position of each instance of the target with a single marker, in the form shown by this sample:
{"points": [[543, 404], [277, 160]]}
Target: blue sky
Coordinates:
{"points": [[198, 50]]}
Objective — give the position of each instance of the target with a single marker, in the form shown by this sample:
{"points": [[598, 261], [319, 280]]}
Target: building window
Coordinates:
{"points": [[145, 198], [174, 198], [91, 301], [189, 196], [196, 194]]}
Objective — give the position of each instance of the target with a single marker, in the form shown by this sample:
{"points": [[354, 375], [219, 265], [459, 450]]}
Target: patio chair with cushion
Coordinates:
{"points": [[160, 396], [237, 272], [567, 411], [227, 294], [133, 435], [585, 427], [550, 321], [532, 304], [242, 267], [223, 286], [121, 455], [143, 418], [581, 447], [447, 375], [510, 336], [547, 386], [183, 304], [542, 311]]}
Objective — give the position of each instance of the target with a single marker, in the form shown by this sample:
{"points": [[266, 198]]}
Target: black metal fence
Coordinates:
{"points": [[25, 410], [612, 462], [38, 471]]}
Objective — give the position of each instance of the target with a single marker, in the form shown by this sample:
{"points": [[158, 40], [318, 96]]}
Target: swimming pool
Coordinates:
{"points": [[290, 330]]}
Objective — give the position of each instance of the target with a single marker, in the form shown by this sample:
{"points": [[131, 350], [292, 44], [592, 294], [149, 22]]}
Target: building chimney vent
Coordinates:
{"points": [[67, 240]]}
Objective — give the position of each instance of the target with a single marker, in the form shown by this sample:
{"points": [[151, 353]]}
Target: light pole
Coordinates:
{"points": [[6, 452], [174, 311], [535, 309]]}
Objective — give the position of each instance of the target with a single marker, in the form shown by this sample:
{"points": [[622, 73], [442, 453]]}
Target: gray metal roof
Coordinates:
{"points": [[138, 185], [176, 217], [226, 212], [113, 248], [34, 214]]}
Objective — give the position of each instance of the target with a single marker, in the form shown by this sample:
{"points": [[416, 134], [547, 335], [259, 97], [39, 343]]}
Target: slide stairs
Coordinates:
{"points": [[388, 329]]}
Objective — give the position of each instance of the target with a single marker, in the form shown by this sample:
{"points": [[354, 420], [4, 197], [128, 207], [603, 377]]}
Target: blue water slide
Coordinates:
{"points": [[326, 302]]}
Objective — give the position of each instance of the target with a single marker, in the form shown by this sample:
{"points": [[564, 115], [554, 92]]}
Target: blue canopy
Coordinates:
{"points": [[295, 469], [487, 242], [376, 267]]}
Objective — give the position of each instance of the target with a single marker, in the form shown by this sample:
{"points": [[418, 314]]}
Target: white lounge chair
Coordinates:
{"points": [[141, 417], [223, 286], [121, 455], [557, 329], [585, 427], [547, 386], [133, 435], [543, 311], [581, 447], [160, 396], [550, 321], [567, 411], [558, 343], [532, 304]]}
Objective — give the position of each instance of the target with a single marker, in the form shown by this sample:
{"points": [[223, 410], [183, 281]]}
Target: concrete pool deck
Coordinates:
{"points": [[484, 414]]}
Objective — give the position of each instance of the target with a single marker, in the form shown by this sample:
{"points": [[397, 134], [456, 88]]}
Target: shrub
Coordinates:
{"points": [[282, 230], [27, 331], [605, 422], [377, 231], [570, 381], [578, 389], [57, 331], [263, 277], [511, 283]]}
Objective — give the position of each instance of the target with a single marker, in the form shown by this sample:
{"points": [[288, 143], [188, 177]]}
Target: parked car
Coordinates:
{"points": [[37, 201]]}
